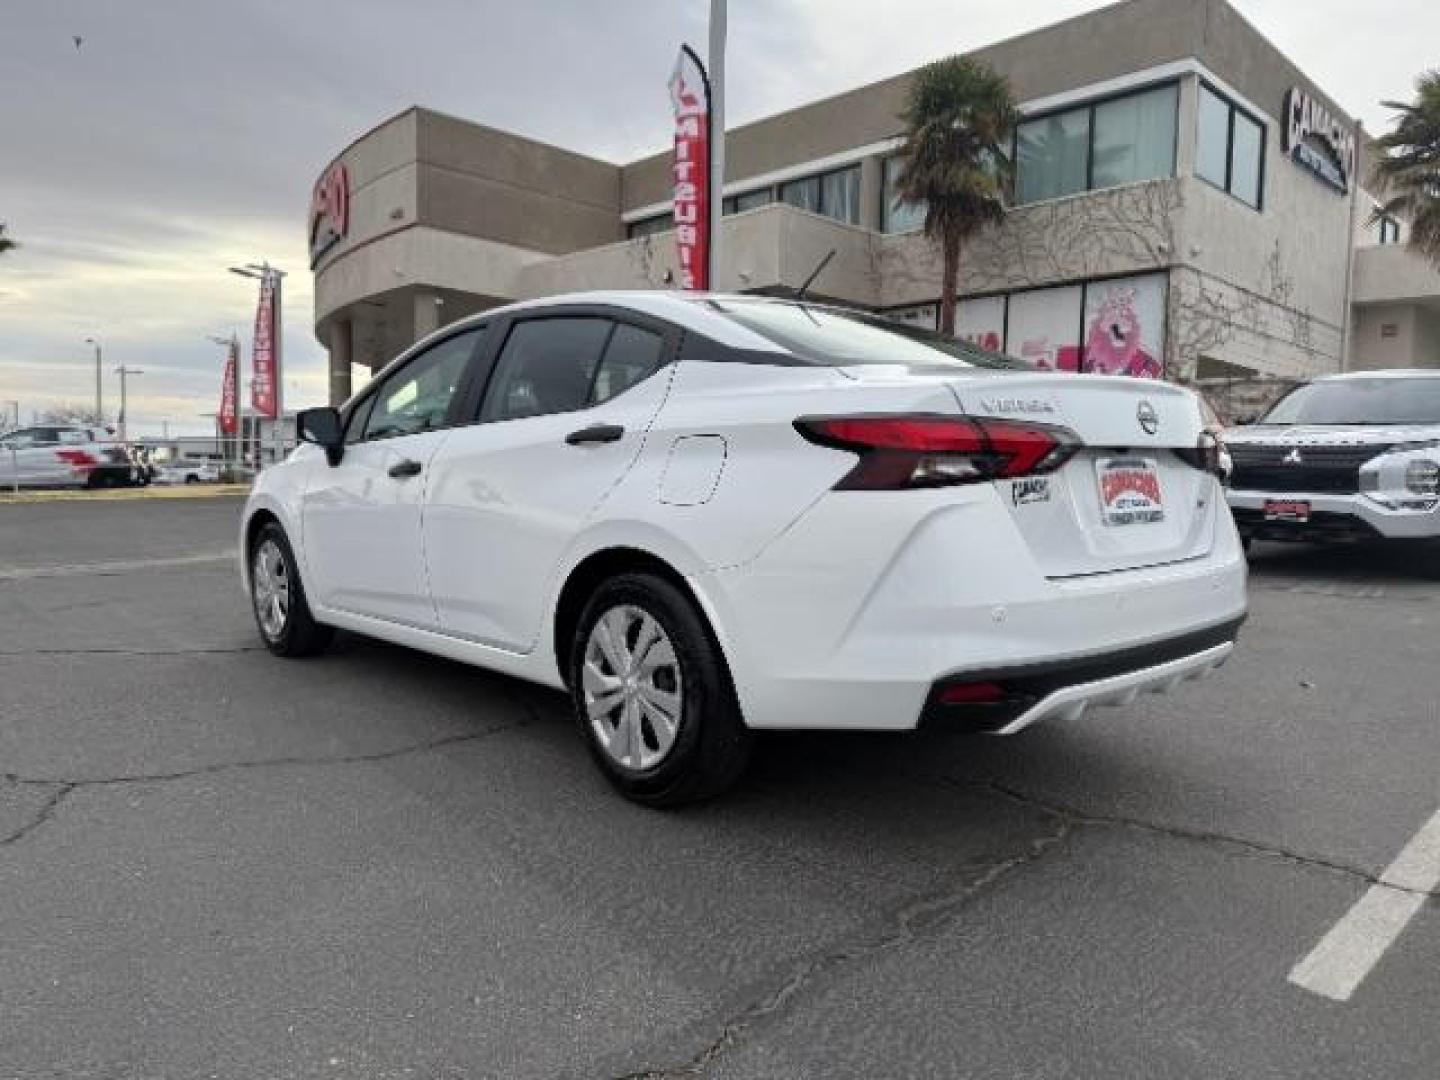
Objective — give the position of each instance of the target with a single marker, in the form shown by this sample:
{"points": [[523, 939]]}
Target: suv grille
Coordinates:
{"points": [[1330, 469]]}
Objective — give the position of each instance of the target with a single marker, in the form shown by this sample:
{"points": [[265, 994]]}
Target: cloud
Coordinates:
{"points": [[184, 135]]}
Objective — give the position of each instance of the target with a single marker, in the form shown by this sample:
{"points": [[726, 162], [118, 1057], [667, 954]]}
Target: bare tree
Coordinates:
{"points": [[68, 412]]}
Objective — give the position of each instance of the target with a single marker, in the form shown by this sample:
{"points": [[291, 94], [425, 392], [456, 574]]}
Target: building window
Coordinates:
{"points": [[1051, 156], [895, 216], [1230, 148], [651, 225], [1123, 140], [1389, 230], [1134, 138], [749, 200], [833, 194]]}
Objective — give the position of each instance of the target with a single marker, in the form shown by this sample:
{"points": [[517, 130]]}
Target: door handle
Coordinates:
{"points": [[403, 470], [600, 433]]}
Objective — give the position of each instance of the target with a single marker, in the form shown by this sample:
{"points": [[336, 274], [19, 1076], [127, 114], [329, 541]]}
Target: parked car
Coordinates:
{"points": [[706, 515], [1345, 457], [63, 456], [188, 472]]}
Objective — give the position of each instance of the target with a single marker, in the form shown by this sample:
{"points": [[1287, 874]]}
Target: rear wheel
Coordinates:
{"points": [[278, 598], [652, 694]]}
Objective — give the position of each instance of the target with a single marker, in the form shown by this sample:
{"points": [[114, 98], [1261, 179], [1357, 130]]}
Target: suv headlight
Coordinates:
{"points": [[1422, 477]]}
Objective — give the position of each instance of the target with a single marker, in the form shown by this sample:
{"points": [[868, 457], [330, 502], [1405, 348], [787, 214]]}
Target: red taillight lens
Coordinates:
{"points": [[975, 693], [937, 451]]}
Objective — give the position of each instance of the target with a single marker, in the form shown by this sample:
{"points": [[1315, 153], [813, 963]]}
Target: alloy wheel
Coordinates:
{"points": [[632, 687], [270, 586]]}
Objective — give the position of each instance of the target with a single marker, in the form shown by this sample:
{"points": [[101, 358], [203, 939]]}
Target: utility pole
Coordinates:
{"points": [[124, 372], [275, 278], [717, 134], [99, 397]]}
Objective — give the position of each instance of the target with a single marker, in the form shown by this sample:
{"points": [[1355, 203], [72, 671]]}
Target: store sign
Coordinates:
{"points": [[329, 211], [227, 391], [262, 375], [690, 169], [1317, 140]]}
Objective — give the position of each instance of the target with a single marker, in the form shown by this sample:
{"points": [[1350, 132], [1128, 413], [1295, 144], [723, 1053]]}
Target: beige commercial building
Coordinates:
{"points": [[1187, 202]]}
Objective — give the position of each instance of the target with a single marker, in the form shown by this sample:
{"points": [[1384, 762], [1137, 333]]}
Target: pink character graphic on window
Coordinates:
{"points": [[1112, 343]]}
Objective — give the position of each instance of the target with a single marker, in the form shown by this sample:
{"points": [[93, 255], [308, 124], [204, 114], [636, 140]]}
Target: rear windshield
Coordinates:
{"points": [[833, 338], [1361, 401]]}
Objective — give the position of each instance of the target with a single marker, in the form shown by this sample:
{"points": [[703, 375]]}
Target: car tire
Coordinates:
{"points": [[192, 479], [679, 675], [277, 598]]}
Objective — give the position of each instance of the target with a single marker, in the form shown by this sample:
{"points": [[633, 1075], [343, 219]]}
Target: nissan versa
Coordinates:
{"points": [[705, 515]]}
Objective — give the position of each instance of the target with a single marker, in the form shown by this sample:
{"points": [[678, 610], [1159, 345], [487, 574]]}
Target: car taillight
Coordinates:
{"points": [[77, 459], [936, 451], [1209, 455]]}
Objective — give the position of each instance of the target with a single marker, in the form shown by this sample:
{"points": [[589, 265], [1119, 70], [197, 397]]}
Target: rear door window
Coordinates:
{"points": [[546, 366], [632, 355]]}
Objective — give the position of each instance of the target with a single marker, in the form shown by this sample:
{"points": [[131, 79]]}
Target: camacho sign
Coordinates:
{"points": [[1316, 140], [329, 211]]}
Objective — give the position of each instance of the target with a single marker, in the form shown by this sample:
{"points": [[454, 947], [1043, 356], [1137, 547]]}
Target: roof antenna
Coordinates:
{"points": [[800, 295]]}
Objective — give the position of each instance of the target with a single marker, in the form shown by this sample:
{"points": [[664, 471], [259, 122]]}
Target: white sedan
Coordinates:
{"points": [[706, 515]]}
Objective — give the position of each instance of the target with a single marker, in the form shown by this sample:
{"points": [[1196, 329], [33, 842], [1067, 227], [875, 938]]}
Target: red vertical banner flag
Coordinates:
{"points": [[262, 376], [690, 169], [227, 391]]}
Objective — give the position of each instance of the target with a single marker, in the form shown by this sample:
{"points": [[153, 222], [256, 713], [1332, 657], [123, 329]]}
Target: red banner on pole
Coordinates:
{"points": [[227, 391], [690, 169], [262, 376]]}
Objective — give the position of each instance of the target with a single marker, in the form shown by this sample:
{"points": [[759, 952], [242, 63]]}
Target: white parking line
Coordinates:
{"points": [[1354, 945], [26, 573]]}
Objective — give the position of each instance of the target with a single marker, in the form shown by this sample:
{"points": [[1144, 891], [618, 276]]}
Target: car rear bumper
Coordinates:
{"points": [[1332, 517], [853, 628], [1065, 689]]}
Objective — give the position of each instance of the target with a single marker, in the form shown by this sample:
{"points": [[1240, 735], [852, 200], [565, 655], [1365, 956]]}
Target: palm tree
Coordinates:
{"points": [[1409, 171], [5, 244], [959, 116]]}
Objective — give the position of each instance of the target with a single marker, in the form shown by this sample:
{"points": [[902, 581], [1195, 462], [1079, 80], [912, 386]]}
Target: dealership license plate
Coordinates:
{"points": [[1130, 491], [1292, 510]]}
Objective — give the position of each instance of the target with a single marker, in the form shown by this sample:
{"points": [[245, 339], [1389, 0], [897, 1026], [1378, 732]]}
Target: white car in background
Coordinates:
{"points": [[59, 455], [187, 472], [705, 515], [1346, 457]]}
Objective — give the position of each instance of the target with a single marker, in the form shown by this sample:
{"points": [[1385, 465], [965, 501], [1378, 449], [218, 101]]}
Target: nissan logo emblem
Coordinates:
{"points": [[1148, 417]]}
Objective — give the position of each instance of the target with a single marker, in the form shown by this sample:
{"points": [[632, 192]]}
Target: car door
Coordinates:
{"points": [[361, 515], [569, 399], [34, 460]]}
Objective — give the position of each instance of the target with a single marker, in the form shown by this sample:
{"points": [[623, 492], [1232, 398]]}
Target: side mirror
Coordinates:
{"points": [[323, 428]]}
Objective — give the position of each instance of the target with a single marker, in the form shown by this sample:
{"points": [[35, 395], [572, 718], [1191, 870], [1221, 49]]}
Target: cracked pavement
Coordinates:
{"points": [[380, 864]]}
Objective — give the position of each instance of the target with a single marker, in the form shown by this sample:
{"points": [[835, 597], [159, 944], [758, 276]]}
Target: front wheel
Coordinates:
{"points": [[278, 598], [653, 696]]}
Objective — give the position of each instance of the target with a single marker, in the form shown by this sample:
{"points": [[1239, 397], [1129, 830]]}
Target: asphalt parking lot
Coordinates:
{"points": [[378, 864]]}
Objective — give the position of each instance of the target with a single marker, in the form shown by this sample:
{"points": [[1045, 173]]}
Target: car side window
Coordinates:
{"points": [[355, 425], [632, 355], [546, 366], [417, 397]]}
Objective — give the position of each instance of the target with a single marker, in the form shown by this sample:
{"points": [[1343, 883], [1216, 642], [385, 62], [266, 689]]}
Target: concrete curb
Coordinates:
{"points": [[179, 491]]}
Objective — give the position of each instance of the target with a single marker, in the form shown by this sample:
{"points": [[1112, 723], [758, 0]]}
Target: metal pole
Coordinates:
{"points": [[239, 409], [121, 370], [717, 134], [99, 396], [277, 346]]}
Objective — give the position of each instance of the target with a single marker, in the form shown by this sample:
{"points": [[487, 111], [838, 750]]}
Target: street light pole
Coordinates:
{"points": [[99, 398], [124, 372]]}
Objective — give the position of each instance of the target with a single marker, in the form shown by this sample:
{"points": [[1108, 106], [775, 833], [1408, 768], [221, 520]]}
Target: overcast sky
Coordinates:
{"points": [[183, 136]]}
